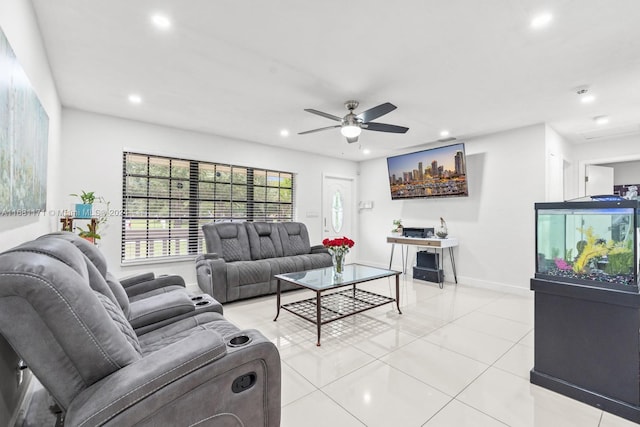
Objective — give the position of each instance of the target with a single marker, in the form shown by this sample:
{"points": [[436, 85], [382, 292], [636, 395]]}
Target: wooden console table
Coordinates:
{"points": [[428, 242]]}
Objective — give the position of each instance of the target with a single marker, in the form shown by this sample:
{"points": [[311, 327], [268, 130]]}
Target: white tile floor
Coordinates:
{"points": [[459, 357]]}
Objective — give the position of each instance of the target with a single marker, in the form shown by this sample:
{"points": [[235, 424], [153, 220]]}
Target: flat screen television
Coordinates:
{"points": [[433, 173]]}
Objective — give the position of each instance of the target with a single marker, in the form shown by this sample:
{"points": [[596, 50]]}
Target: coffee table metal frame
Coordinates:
{"points": [[328, 307]]}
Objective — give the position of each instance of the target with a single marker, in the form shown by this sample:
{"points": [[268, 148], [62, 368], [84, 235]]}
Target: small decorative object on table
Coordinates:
{"points": [[338, 248], [91, 233], [397, 224], [84, 209], [442, 231]]}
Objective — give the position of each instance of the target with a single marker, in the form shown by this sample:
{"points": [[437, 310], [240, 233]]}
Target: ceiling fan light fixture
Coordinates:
{"points": [[350, 131], [352, 124]]}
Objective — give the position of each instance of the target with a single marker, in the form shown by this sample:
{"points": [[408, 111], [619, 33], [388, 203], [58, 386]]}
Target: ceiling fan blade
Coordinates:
{"points": [[383, 127], [323, 114], [352, 140], [375, 112], [318, 130]]}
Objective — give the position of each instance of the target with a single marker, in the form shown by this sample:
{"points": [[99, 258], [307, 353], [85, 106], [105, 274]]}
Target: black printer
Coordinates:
{"points": [[417, 232]]}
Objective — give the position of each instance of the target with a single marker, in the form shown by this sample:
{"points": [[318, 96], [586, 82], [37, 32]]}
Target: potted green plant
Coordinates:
{"points": [[90, 233], [100, 217], [397, 224], [84, 209]]}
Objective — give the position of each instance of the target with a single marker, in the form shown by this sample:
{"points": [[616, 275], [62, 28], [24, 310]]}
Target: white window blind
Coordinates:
{"points": [[167, 200]]}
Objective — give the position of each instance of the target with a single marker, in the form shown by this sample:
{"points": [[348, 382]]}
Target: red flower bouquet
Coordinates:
{"points": [[339, 244], [338, 248]]}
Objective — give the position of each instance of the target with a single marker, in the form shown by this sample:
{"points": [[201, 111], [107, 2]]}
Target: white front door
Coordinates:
{"points": [[338, 207], [598, 180]]}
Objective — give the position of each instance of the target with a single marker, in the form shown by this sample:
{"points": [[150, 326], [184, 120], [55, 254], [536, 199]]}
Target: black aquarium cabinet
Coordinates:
{"points": [[587, 304]]}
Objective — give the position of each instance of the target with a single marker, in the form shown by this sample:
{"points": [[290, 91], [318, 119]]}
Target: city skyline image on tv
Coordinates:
{"points": [[435, 172]]}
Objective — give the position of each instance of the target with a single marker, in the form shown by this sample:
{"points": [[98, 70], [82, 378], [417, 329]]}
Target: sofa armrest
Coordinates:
{"points": [[212, 255], [158, 308], [135, 286], [185, 383], [131, 384], [136, 278], [319, 249], [211, 274]]}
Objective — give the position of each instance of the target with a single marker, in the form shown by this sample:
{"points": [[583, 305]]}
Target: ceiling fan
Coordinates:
{"points": [[352, 124]]}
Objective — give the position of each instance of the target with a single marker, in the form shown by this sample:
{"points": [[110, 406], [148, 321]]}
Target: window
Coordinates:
{"points": [[166, 201]]}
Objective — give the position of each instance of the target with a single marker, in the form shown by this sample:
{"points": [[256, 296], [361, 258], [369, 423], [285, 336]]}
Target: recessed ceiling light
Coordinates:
{"points": [[541, 21], [284, 132], [161, 21], [444, 133], [135, 99], [587, 99], [601, 120], [366, 151]]}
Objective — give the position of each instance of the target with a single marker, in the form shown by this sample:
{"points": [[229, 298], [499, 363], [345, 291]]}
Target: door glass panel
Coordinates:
{"points": [[337, 212]]}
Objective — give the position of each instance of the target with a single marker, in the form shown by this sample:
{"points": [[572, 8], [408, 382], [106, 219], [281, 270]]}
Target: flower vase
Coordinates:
{"points": [[338, 263], [442, 232]]}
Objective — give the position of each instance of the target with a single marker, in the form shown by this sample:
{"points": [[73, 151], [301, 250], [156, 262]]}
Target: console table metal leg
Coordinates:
{"points": [[277, 300], [440, 264], [453, 264], [405, 256], [398, 293], [393, 246], [318, 315]]}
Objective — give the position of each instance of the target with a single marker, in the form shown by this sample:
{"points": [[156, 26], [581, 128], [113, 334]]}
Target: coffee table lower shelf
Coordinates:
{"points": [[336, 305]]}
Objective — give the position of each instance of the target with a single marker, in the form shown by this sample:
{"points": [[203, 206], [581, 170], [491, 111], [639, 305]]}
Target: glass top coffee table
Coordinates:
{"points": [[328, 306]]}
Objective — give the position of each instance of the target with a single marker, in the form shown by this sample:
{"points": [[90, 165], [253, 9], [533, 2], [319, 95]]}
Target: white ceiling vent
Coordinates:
{"points": [[611, 132]]}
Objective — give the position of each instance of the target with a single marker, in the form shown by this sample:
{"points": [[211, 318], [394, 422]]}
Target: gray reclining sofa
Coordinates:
{"points": [[243, 257], [59, 315]]}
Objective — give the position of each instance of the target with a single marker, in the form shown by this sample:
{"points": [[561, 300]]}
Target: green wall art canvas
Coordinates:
{"points": [[24, 128]]}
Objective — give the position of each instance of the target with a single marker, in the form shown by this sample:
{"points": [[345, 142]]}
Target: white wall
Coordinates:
{"points": [[101, 140], [19, 25], [558, 155], [625, 172], [495, 224], [605, 151]]}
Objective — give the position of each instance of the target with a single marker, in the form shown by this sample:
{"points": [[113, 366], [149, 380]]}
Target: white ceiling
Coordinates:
{"points": [[247, 69]]}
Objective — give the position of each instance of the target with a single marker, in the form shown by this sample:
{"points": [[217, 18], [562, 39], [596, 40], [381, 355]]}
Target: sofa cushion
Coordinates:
{"points": [[228, 239], [302, 262], [295, 238], [264, 240], [160, 338], [247, 272]]}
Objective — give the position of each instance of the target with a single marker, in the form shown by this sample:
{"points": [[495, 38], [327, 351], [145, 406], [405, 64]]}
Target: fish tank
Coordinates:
{"points": [[592, 243]]}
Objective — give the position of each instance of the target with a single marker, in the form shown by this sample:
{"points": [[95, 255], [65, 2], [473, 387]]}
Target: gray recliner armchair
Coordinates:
{"points": [[59, 315], [148, 302]]}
